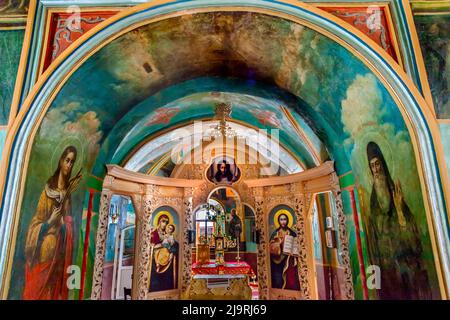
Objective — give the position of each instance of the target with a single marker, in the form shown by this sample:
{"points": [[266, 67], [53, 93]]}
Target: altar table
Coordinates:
{"points": [[219, 282], [228, 268]]}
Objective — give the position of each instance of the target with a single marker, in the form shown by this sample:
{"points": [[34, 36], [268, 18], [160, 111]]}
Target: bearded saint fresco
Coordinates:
{"points": [[49, 240], [164, 274], [283, 268], [393, 236], [223, 171], [235, 225]]}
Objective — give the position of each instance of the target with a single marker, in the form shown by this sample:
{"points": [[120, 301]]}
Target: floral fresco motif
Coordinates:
{"points": [[370, 20], [162, 116], [266, 117]]}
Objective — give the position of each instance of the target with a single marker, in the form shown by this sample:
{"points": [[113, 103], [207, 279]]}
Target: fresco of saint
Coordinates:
{"points": [[49, 240], [235, 225], [284, 268], [164, 273], [223, 171], [393, 237]]}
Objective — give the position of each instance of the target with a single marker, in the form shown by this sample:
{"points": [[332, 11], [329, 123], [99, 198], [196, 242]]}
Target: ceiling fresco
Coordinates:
{"points": [[255, 105], [255, 47]]}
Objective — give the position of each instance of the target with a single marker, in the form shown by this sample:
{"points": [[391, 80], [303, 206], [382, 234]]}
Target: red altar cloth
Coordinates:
{"points": [[227, 268]]}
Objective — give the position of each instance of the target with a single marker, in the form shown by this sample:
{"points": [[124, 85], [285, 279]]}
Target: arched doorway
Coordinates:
{"points": [[408, 120]]}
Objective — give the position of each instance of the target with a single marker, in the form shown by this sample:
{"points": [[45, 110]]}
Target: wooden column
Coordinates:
{"points": [[102, 231], [187, 249], [143, 254], [302, 204], [343, 244]]}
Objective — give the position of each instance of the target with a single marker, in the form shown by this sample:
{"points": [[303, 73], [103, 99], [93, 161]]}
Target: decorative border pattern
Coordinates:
{"points": [[64, 31], [374, 21], [302, 203]]}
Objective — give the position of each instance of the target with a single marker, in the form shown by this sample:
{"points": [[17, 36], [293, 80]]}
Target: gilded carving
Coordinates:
{"points": [[143, 258], [343, 240], [301, 207], [187, 249], [100, 245], [263, 281]]}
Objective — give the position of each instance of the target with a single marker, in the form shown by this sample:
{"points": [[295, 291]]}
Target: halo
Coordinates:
{"points": [[58, 150], [385, 147], [280, 212], [160, 213]]}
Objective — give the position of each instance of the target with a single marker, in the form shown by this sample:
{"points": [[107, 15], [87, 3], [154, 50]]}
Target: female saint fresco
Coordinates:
{"points": [[49, 240]]}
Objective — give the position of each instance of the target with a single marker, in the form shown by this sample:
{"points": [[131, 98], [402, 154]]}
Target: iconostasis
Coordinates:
{"points": [[191, 237]]}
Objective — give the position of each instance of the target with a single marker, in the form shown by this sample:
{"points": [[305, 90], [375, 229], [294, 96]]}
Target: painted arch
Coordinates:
{"points": [[101, 81]]}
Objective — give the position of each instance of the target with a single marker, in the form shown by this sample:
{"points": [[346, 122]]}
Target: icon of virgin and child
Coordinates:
{"points": [[164, 273]]}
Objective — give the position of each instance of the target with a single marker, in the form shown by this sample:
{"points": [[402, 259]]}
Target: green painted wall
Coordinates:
{"points": [[10, 49]]}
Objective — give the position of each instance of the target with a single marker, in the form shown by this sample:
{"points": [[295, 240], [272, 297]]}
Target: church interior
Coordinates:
{"points": [[224, 150]]}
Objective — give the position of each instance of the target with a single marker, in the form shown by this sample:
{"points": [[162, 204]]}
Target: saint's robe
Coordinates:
{"points": [[48, 248], [167, 277], [397, 250], [284, 268]]}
